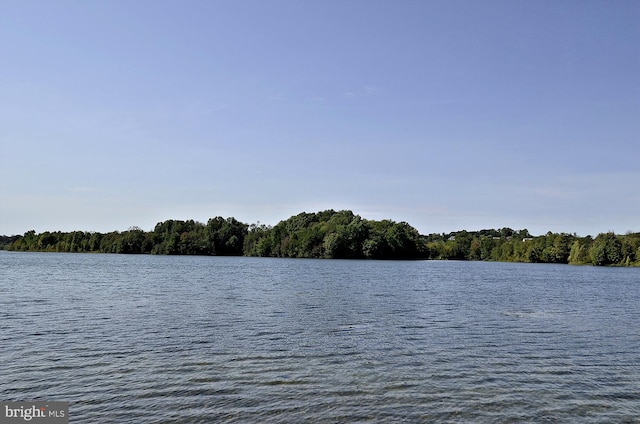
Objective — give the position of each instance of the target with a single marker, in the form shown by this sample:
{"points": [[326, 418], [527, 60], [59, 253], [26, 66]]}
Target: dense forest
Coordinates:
{"points": [[339, 235]]}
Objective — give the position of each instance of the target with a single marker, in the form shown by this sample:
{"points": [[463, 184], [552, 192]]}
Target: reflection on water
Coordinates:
{"points": [[205, 339]]}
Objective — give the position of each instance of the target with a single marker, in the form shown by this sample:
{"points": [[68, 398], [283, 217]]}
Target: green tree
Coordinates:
{"points": [[606, 250]]}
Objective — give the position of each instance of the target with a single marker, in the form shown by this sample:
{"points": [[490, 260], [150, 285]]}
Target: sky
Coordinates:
{"points": [[448, 115]]}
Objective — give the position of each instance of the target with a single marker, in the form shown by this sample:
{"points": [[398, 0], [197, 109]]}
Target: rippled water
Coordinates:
{"points": [[150, 339]]}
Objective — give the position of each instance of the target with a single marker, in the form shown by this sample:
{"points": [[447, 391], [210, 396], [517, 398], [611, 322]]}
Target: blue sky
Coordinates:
{"points": [[449, 115]]}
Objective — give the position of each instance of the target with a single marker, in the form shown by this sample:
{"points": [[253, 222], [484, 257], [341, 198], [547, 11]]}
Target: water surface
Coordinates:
{"points": [[151, 339]]}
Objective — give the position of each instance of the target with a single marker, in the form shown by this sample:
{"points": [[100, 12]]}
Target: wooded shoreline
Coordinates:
{"points": [[338, 235]]}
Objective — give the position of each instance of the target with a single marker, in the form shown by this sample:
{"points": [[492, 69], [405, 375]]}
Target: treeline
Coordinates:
{"points": [[218, 236], [338, 235], [507, 245]]}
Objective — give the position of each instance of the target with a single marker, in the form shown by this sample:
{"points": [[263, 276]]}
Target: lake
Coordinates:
{"points": [[154, 339]]}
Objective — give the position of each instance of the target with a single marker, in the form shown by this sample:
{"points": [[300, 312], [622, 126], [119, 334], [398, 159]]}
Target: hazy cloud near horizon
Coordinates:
{"points": [[447, 115]]}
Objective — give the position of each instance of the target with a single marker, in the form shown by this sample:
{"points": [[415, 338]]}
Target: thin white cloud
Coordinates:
{"points": [[84, 189], [278, 97], [366, 91], [371, 90]]}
